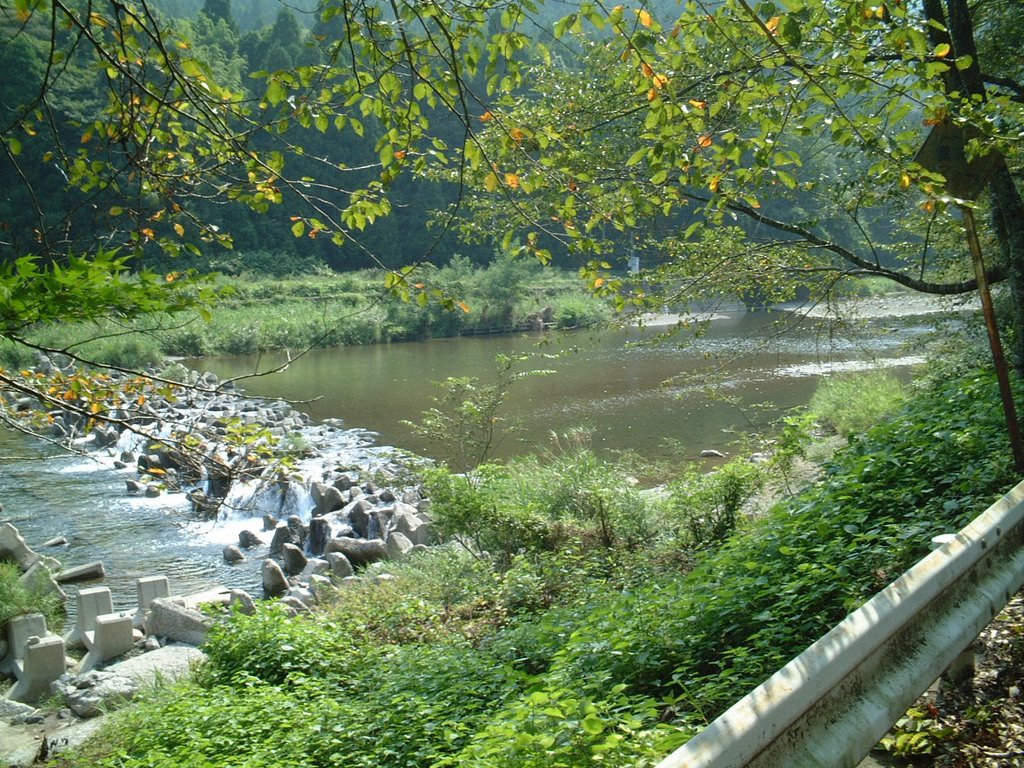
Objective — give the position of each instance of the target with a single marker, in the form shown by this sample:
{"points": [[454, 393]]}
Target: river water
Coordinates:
{"points": [[633, 392]]}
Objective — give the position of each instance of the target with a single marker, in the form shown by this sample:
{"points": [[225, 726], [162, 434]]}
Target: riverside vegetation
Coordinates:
{"points": [[603, 625], [257, 313]]}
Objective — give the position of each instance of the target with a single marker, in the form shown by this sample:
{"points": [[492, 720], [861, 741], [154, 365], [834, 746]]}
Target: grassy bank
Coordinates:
{"points": [[605, 624], [329, 309]]}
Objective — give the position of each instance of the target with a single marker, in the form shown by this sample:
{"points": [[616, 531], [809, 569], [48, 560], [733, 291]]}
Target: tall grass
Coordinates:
{"points": [[852, 403], [327, 310]]}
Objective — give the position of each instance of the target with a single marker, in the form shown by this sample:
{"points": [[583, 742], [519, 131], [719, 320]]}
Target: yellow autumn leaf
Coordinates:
{"points": [[904, 181], [645, 17], [646, 69], [179, 228], [512, 180], [463, 306], [715, 184], [772, 25], [659, 81]]}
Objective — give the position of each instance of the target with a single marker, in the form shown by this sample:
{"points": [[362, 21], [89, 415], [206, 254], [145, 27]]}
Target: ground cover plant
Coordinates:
{"points": [[581, 635]]}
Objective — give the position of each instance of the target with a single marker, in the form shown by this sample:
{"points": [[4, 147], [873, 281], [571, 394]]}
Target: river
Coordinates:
{"points": [[633, 392]]}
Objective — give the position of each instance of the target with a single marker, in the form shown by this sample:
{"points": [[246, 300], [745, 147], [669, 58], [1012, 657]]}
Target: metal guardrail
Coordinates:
{"points": [[831, 704]]}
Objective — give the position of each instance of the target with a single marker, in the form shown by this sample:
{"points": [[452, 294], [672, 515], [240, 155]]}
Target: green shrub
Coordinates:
{"points": [[273, 647], [18, 597], [707, 505], [850, 404]]}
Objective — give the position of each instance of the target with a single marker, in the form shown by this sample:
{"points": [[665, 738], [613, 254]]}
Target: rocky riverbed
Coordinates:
{"points": [[327, 500]]}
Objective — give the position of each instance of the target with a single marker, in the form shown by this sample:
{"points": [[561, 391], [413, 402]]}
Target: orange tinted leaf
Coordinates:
{"points": [[517, 135], [463, 306], [705, 141], [645, 17], [598, 282], [400, 154], [659, 81], [772, 25], [487, 116], [646, 69], [652, 94], [512, 180]]}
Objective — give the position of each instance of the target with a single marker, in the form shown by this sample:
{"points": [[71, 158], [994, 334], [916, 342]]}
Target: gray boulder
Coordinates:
{"points": [[358, 515], [249, 540], [274, 581], [167, 619], [293, 561], [409, 523], [360, 552], [282, 535], [233, 554], [340, 565], [398, 545], [243, 600], [96, 692], [327, 498]]}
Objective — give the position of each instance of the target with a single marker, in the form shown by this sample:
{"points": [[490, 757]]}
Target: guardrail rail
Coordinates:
{"points": [[831, 704]]}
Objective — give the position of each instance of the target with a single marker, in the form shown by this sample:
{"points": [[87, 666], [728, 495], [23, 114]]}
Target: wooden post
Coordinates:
{"points": [[998, 358]]}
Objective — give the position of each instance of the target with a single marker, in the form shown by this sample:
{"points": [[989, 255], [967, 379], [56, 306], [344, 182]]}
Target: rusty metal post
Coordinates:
{"points": [[998, 358]]}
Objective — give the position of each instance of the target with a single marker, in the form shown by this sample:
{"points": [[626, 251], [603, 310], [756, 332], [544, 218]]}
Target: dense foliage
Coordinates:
{"points": [[564, 645]]}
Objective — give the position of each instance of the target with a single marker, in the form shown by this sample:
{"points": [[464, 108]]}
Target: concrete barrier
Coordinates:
{"points": [[19, 630], [149, 588], [43, 663], [91, 602], [111, 637], [831, 704]]}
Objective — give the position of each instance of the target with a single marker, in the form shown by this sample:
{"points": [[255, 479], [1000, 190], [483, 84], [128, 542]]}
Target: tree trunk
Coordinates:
{"points": [[1005, 199]]}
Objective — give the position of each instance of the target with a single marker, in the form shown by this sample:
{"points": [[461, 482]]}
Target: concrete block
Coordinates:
{"points": [[91, 602], [149, 588], [111, 638], [43, 663], [19, 630]]}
